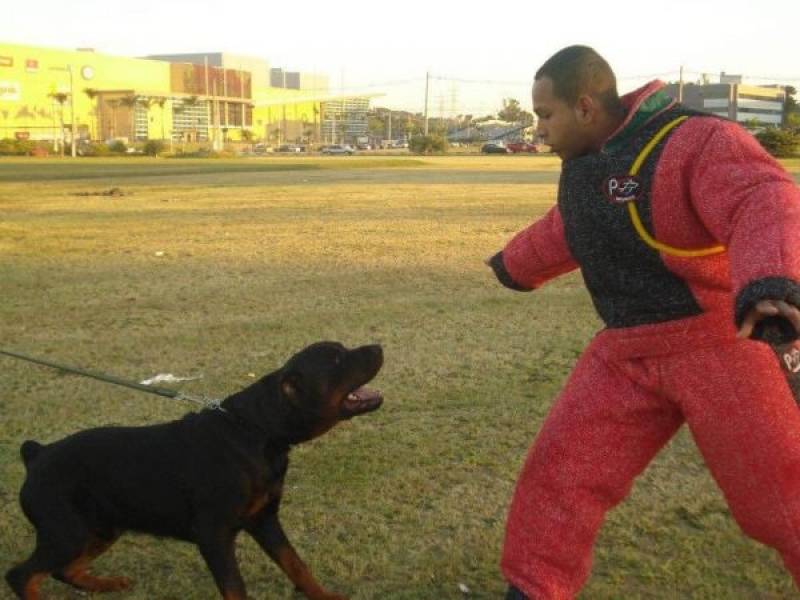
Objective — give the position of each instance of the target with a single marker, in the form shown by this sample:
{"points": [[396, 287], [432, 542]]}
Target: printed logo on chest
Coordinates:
{"points": [[792, 359], [619, 189]]}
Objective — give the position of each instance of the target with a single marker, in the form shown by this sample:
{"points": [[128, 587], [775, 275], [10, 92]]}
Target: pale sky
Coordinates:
{"points": [[478, 53]]}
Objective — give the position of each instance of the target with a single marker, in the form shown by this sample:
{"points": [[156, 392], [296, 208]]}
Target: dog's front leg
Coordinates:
{"points": [[217, 548], [266, 529]]}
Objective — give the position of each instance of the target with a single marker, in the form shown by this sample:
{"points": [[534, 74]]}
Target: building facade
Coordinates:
{"points": [[214, 97], [754, 106]]}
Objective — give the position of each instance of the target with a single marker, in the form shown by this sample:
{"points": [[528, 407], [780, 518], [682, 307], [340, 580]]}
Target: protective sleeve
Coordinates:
{"points": [[535, 254], [750, 204]]}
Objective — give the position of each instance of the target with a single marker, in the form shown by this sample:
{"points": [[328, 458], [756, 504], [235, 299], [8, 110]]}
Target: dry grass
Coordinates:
{"points": [[224, 268]]}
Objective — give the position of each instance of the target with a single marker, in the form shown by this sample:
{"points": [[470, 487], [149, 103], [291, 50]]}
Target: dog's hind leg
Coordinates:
{"points": [[75, 573], [60, 539]]}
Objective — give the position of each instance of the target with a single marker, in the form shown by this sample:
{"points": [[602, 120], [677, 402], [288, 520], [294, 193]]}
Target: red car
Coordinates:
{"points": [[516, 147]]}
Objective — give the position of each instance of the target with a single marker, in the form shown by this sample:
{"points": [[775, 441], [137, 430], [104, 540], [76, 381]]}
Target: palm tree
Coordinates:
{"points": [[92, 93], [160, 101], [146, 102], [61, 98], [114, 104], [130, 101]]}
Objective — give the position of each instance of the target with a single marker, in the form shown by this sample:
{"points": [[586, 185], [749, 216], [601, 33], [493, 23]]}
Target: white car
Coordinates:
{"points": [[338, 149]]}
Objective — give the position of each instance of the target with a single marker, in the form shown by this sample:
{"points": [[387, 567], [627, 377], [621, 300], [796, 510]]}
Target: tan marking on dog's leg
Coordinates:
{"points": [[76, 574], [301, 576], [31, 591]]}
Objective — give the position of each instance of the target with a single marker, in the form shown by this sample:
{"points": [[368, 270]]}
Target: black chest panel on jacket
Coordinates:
{"points": [[629, 283]]}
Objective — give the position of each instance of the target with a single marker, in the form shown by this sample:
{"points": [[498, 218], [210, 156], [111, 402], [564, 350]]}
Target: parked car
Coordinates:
{"points": [[338, 149], [517, 147], [290, 148], [494, 148], [364, 147]]}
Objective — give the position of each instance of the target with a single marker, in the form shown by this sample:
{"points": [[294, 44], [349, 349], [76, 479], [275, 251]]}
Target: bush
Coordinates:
{"points": [[204, 153], [9, 147], [781, 143], [154, 147], [118, 146], [427, 144], [95, 149]]}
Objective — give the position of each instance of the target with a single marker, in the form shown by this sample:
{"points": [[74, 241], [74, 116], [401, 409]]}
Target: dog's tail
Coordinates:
{"points": [[29, 451]]}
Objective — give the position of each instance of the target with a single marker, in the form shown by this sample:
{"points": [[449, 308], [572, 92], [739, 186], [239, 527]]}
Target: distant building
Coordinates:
{"points": [[734, 100], [201, 97], [344, 120]]}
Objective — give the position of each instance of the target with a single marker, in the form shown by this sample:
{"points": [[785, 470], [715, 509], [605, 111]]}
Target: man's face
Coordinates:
{"points": [[558, 124]]}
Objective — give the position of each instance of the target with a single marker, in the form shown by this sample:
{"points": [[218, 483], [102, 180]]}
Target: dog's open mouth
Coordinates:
{"points": [[362, 400]]}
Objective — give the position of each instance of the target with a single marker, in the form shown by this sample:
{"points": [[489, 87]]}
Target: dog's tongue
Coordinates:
{"points": [[362, 400]]}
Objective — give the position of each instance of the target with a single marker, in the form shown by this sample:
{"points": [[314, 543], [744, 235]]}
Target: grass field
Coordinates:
{"points": [[222, 269]]}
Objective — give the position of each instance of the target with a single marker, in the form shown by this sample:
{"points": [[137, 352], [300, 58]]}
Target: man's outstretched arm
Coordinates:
{"points": [[534, 255]]}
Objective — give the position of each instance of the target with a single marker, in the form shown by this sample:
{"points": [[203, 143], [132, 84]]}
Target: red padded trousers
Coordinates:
{"points": [[629, 393]]}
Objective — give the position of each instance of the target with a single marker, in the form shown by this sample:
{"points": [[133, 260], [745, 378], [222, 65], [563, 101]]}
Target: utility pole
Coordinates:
{"points": [[389, 128], [72, 109], [680, 86], [427, 87]]}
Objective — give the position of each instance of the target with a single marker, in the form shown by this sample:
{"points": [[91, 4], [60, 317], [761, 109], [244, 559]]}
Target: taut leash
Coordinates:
{"points": [[151, 389]]}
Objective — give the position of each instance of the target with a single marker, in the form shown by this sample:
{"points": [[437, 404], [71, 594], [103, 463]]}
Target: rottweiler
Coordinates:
{"points": [[202, 478]]}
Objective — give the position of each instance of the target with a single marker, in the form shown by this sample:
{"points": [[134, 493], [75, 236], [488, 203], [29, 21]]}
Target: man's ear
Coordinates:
{"points": [[290, 385], [585, 109]]}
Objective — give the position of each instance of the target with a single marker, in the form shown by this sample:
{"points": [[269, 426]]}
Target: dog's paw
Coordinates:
{"points": [[105, 584]]}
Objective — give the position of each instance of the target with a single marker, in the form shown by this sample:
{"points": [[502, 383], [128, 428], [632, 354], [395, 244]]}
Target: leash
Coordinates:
{"points": [[150, 389]]}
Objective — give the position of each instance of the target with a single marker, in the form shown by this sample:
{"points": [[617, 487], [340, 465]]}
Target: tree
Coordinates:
{"points": [[427, 144], [114, 104], [780, 143], [61, 98], [146, 103], [513, 113], [130, 101], [752, 123], [376, 126], [161, 102], [791, 110], [92, 93]]}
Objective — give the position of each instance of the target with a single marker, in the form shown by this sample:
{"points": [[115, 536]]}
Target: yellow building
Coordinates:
{"points": [[213, 97], [40, 86]]}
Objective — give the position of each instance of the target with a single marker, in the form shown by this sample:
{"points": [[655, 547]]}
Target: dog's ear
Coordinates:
{"points": [[290, 386]]}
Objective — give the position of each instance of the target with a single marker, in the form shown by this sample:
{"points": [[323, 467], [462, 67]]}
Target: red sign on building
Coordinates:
{"points": [[31, 65]]}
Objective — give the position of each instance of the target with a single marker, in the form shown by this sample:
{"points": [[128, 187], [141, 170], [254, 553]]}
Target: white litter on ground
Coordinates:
{"points": [[167, 378], [463, 587]]}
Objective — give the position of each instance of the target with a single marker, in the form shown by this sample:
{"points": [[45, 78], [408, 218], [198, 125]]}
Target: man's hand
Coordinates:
{"points": [[769, 308]]}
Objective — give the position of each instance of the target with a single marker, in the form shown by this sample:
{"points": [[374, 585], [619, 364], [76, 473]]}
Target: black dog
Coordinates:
{"points": [[202, 478]]}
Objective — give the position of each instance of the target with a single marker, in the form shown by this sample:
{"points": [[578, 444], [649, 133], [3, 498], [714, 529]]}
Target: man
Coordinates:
{"points": [[685, 230]]}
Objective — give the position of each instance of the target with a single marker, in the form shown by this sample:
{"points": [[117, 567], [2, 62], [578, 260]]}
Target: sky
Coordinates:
{"points": [[476, 53]]}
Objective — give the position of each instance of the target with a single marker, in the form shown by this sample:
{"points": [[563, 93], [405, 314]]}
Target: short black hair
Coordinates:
{"points": [[577, 70]]}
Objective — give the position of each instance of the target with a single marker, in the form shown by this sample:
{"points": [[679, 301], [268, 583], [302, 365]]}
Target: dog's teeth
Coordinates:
{"points": [[352, 397]]}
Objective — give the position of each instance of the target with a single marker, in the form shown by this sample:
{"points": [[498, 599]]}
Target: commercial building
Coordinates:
{"points": [[214, 97], [747, 104]]}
